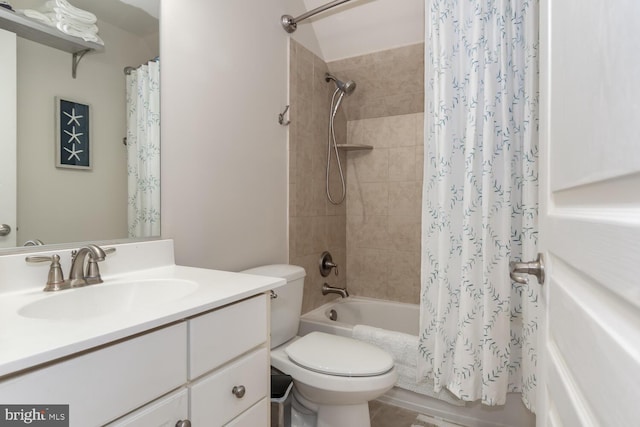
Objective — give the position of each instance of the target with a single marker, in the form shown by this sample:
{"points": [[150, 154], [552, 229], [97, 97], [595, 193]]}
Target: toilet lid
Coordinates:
{"points": [[341, 356]]}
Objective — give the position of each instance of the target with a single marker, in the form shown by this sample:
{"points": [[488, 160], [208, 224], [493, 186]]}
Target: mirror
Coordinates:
{"points": [[61, 205]]}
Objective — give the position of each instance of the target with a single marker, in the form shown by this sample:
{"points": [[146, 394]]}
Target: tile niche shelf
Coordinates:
{"points": [[48, 36], [353, 147]]}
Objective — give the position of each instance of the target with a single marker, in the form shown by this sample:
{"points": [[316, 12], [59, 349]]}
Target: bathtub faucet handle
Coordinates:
{"points": [[326, 264], [335, 267]]}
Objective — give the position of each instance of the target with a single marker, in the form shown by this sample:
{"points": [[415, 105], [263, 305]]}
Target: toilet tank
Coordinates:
{"points": [[287, 306]]}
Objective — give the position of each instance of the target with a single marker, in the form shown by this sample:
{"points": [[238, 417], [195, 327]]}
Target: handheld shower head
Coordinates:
{"points": [[335, 109], [345, 87], [342, 89]]}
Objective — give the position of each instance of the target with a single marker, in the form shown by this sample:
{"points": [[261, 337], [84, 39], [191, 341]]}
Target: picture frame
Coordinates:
{"points": [[73, 134]]}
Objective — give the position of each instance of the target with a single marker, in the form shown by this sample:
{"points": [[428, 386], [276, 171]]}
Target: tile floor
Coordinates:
{"points": [[383, 415]]}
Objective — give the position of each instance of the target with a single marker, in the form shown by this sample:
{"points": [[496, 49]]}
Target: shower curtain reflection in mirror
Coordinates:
{"points": [[143, 150]]}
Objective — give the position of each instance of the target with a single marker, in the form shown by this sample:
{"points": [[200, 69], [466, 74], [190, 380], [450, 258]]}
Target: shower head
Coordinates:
{"points": [[345, 87]]}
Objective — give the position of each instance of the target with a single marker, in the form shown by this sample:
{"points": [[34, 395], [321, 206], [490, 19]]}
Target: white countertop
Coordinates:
{"points": [[27, 342]]}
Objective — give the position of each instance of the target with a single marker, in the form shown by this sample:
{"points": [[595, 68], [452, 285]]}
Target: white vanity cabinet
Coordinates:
{"points": [[229, 364], [211, 368], [102, 384], [164, 412]]}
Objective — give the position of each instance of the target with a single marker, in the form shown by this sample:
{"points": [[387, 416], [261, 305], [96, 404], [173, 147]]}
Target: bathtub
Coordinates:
{"points": [[390, 315], [402, 317]]}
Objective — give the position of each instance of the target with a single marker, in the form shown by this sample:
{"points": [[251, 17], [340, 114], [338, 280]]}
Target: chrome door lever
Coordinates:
{"points": [[5, 229], [535, 268]]}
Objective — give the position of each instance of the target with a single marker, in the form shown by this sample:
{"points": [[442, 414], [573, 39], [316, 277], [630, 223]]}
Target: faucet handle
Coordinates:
{"points": [[55, 279], [326, 264], [92, 275]]}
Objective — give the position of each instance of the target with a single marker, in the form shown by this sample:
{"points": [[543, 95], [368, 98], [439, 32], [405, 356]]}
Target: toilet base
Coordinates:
{"points": [[336, 415], [344, 415]]}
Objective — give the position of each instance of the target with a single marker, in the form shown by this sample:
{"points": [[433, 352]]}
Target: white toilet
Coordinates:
{"points": [[333, 376]]}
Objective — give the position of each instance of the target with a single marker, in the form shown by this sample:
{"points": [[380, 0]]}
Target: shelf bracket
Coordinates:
{"points": [[77, 56]]}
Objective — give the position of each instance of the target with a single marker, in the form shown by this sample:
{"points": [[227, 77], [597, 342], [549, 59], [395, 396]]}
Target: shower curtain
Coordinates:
{"points": [[143, 150], [477, 327]]}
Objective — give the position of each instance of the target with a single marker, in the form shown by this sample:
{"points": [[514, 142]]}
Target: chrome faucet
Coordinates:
{"points": [[77, 275], [35, 242], [326, 289]]}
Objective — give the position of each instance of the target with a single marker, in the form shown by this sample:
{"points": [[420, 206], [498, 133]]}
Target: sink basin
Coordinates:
{"points": [[107, 298]]}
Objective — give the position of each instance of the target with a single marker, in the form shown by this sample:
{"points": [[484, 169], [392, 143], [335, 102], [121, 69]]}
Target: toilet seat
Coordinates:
{"points": [[339, 356]]}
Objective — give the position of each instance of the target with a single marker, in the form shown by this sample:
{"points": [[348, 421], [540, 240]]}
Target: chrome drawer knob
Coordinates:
{"points": [[238, 391], [183, 423]]}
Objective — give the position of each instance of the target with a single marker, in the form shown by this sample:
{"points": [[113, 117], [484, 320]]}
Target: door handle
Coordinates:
{"points": [[535, 268], [4, 230]]}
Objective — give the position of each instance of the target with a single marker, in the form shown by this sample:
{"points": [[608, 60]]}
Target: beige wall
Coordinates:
{"points": [[315, 225], [224, 155], [64, 205]]}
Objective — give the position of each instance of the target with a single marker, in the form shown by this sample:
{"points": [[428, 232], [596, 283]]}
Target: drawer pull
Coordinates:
{"points": [[183, 423], [238, 391]]}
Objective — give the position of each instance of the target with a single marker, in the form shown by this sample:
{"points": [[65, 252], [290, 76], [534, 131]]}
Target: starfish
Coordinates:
{"points": [[73, 117], [73, 135], [74, 152]]}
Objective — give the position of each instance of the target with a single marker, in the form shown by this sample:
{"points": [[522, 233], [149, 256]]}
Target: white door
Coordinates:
{"points": [[590, 213], [8, 125]]}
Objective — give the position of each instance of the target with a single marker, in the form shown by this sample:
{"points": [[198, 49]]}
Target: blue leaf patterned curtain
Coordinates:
{"points": [[143, 150], [477, 327]]}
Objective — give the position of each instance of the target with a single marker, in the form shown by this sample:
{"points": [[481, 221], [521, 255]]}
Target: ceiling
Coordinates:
{"points": [[359, 27], [354, 28]]}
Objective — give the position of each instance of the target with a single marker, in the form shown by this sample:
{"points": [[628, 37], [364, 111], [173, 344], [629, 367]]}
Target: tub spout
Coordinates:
{"points": [[326, 289]]}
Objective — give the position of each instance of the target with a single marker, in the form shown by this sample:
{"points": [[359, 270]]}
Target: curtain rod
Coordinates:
{"points": [[129, 69], [290, 23]]}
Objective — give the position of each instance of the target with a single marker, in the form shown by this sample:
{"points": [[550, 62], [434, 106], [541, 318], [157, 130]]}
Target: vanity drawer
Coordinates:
{"points": [[121, 377], [256, 416], [223, 334], [166, 411], [213, 402]]}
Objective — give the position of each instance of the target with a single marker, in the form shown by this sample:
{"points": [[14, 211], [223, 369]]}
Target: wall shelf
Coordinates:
{"points": [[353, 147], [48, 36]]}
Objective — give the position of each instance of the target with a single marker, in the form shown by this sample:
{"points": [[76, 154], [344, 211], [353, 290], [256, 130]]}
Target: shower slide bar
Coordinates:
{"points": [[290, 23]]}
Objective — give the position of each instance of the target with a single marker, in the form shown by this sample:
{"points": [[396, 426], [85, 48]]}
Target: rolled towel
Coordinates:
{"points": [[77, 25], [84, 35], [44, 18], [403, 348], [63, 6]]}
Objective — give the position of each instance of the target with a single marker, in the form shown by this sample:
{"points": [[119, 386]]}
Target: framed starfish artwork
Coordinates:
{"points": [[73, 142]]}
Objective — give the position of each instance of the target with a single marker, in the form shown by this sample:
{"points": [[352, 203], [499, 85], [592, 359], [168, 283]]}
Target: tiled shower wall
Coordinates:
{"points": [[374, 236], [383, 208], [389, 82], [315, 225]]}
